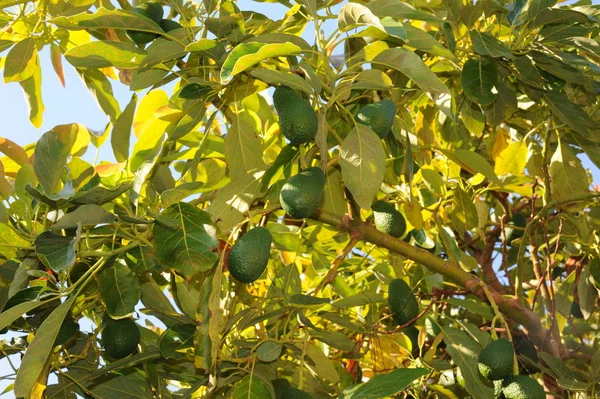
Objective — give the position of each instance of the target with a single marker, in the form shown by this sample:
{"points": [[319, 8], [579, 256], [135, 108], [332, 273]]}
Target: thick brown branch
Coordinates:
{"points": [[512, 308]]}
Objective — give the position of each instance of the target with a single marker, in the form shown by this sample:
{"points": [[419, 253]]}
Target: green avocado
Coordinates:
{"points": [[280, 385], [388, 220], [151, 10], [249, 256], [526, 349], [294, 393], [495, 361], [167, 25], [498, 390], [297, 118], [301, 195], [522, 387], [378, 116], [517, 220], [403, 303], [120, 338]]}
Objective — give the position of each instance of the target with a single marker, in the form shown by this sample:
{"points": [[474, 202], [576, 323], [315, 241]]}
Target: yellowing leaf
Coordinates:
{"points": [[512, 159], [149, 104], [21, 62], [412, 210], [501, 139]]}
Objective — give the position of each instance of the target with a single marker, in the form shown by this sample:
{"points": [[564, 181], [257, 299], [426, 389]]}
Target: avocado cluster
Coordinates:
{"points": [[153, 11], [297, 119], [301, 195], [495, 363], [403, 303], [249, 256], [378, 116], [388, 220], [120, 338]]}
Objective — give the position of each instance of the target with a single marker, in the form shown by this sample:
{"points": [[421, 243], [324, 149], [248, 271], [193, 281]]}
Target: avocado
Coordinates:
{"points": [[517, 220], [293, 393], [249, 256], [301, 195], [151, 10], [498, 390], [280, 385], [495, 361], [576, 310], [297, 118], [525, 348], [167, 25], [403, 303], [388, 220], [378, 116], [522, 387], [120, 338]]}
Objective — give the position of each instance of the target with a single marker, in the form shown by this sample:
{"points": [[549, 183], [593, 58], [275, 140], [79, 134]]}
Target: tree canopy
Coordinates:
{"points": [[414, 193]]}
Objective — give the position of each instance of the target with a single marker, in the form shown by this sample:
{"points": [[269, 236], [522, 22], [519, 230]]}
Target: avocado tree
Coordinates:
{"points": [[360, 200]]}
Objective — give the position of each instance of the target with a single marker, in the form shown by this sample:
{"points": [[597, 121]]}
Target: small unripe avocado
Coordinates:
{"points": [[249, 256], [388, 220], [120, 338], [167, 25], [378, 116], [301, 195], [517, 220], [294, 393], [403, 303], [522, 387], [297, 118], [151, 10], [496, 360]]}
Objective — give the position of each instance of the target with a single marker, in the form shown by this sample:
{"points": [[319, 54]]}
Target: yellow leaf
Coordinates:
{"points": [[412, 210], [501, 139], [149, 104], [512, 160]]}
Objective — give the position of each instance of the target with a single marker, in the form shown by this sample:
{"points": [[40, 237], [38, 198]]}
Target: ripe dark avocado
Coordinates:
{"points": [[120, 338], [294, 393], [297, 118], [301, 195], [522, 387], [496, 360], [249, 256], [388, 220], [403, 303], [517, 220], [151, 10], [167, 25], [378, 116], [280, 385]]}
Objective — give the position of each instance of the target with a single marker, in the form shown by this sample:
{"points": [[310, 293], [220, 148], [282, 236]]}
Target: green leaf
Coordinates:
{"points": [[572, 115], [22, 61], [103, 18], [161, 50], [274, 77], [187, 297], [410, 64], [207, 47], [246, 55], [251, 387], [486, 44], [399, 10], [185, 239], [32, 88], [463, 211], [99, 195], [473, 306], [362, 159], [55, 251], [367, 298], [232, 202], [105, 53], [176, 340], [371, 79], [334, 339], [38, 351], [464, 352], [101, 89], [307, 301], [334, 199], [243, 149], [422, 40], [269, 351], [479, 77], [12, 314], [512, 160], [87, 215], [567, 176], [560, 369], [194, 91], [384, 385], [120, 291], [134, 385], [121, 133], [565, 294], [51, 153], [473, 163], [323, 367]]}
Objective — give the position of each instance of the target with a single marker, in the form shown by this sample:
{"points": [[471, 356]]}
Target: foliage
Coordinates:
{"points": [[496, 102]]}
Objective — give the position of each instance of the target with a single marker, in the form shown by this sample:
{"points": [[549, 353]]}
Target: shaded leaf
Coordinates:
{"points": [[87, 215], [486, 44], [479, 77], [120, 291], [176, 340], [251, 387], [269, 351], [384, 385], [55, 251], [568, 177], [243, 149]]}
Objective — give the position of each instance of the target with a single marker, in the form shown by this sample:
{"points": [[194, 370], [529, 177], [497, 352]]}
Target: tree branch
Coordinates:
{"points": [[512, 308]]}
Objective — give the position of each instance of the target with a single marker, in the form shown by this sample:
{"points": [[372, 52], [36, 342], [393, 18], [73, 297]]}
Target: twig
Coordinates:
{"points": [[331, 275]]}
